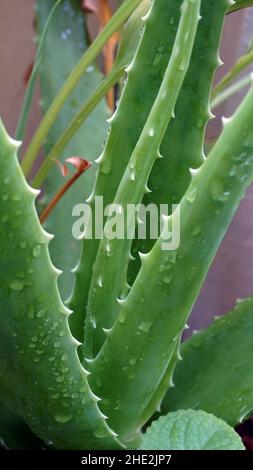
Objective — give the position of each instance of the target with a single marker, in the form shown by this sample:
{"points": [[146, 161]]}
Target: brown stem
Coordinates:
{"points": [[82, 166]]}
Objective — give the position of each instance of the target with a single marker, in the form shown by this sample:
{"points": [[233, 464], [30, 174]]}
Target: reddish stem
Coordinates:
{"points": [[82, 166]]}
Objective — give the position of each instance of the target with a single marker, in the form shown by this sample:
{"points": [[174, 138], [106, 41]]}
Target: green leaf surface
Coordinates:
{"points": [[137, 352], [101, 306], [182, 146], [216, 372], [126, 126], [14, 432], [69, 39], [41, 375], [190, 430]]}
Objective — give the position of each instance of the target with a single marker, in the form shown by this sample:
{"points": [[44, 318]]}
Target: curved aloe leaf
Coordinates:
{"points": [[151, 59], [190, 430], [200, 379], [182, 145], [126, 126], [67, 33], [40, 369], [137, 352], [102, 302]]}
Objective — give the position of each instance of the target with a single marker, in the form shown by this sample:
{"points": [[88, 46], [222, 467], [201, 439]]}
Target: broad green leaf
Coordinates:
{"points": [[41, 376], [190, 430], [216, 373], [136, 354]]}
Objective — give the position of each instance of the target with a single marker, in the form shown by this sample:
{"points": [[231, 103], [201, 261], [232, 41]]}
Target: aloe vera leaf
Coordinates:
{"points": [[71, 81], [166, 383], [40, 369], [215, 375], [128, 45], [134, 357], [114, 254], [182, 146], [126, 125], [191, 430], [14, 432], [171, 176], [67, 33]]}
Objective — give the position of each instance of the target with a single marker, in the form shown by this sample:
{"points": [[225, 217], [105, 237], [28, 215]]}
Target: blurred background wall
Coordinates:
{"points": [[231, 275]]}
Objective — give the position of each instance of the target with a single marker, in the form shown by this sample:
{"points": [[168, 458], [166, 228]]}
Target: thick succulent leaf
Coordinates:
{"points": [[68, 36], [14, 433], [190, 430], [171, 175], [41, 375], [137, 352], [102, 303], [216, 374], [182, 145], [126, 126]]}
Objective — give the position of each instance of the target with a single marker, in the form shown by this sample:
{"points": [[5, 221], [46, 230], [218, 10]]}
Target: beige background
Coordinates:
{"points": [[232, 273]]}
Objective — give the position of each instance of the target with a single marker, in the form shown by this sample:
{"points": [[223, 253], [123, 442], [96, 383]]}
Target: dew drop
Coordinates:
{"points": [[191, 194], [145, 326], [63, 418], [36, 251], [90, 69], [16, 197], [36, 359], [200, 123], [132, 361], [196, 231], [60, 378], [101, 432], [40, 313], [217, 191], [17, 285], [122, 316], [167, 279]]}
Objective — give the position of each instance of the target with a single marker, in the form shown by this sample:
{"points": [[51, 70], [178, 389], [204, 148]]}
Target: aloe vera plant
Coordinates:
{"points": [[90, 372]]}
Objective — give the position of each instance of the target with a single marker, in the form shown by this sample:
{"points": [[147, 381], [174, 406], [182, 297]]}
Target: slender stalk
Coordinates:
{"points": [[238, 67], [88, 58], [75, 124], [230, 91], [22, 122], [239, 4], [47, 211]]}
